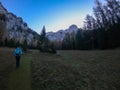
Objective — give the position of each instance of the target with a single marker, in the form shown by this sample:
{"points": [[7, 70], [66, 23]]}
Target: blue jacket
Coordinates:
{"points": [[18, 51]]}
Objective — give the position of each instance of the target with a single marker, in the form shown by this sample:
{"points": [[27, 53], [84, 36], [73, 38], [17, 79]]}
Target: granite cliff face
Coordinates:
{"points": [[59, 35], [16, 28]]}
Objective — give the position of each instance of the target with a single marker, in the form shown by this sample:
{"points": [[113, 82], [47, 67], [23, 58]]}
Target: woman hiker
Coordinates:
{"points": [[18, 53]]}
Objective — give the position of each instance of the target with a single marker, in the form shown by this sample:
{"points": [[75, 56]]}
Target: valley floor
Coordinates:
{"points": [[72, 70]]}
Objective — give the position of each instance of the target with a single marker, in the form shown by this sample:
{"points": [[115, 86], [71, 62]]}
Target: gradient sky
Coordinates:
{"points": [[54, 14]]}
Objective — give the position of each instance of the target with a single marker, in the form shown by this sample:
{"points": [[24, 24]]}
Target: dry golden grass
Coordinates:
{"points": [[6, 61], [77, 70], [72, 70]]}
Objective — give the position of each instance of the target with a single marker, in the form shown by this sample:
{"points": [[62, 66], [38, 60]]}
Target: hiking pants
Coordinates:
{"points": [[17, 61]]}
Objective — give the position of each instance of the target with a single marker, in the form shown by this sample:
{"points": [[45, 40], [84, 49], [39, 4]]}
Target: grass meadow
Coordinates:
{"points": [[72, 70], [12, 78]]}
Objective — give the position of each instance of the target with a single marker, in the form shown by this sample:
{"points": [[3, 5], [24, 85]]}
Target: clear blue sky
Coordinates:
{"points": [[54, 14]]}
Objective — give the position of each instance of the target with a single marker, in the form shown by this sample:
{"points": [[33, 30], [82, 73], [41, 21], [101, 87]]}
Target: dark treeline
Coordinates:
{"points": [[101, 31]]}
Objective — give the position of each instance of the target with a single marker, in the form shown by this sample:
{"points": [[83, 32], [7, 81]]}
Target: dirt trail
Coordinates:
{"points": [[20, 79]]}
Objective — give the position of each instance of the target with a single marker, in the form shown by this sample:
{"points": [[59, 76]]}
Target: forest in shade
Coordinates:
{"points": [[100, 31]]}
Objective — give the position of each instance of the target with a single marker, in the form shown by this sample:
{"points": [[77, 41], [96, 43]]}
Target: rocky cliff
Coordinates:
{"points": [[16, 28]]}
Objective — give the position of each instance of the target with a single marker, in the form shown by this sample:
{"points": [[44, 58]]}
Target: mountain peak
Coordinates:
{"points": [[73, 27], [59, 35]]}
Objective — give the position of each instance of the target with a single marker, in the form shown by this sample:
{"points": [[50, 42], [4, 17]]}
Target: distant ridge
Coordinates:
{"points": [[59, 35]]}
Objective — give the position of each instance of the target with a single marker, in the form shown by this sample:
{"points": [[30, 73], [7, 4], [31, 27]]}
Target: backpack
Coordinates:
{"points": [[17, 51]]}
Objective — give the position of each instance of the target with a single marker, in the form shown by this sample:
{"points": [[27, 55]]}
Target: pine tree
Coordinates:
{"points": [[43, 35], [6, 42], [43, 43], [25, 45], [78, 40], [2, 33]]}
